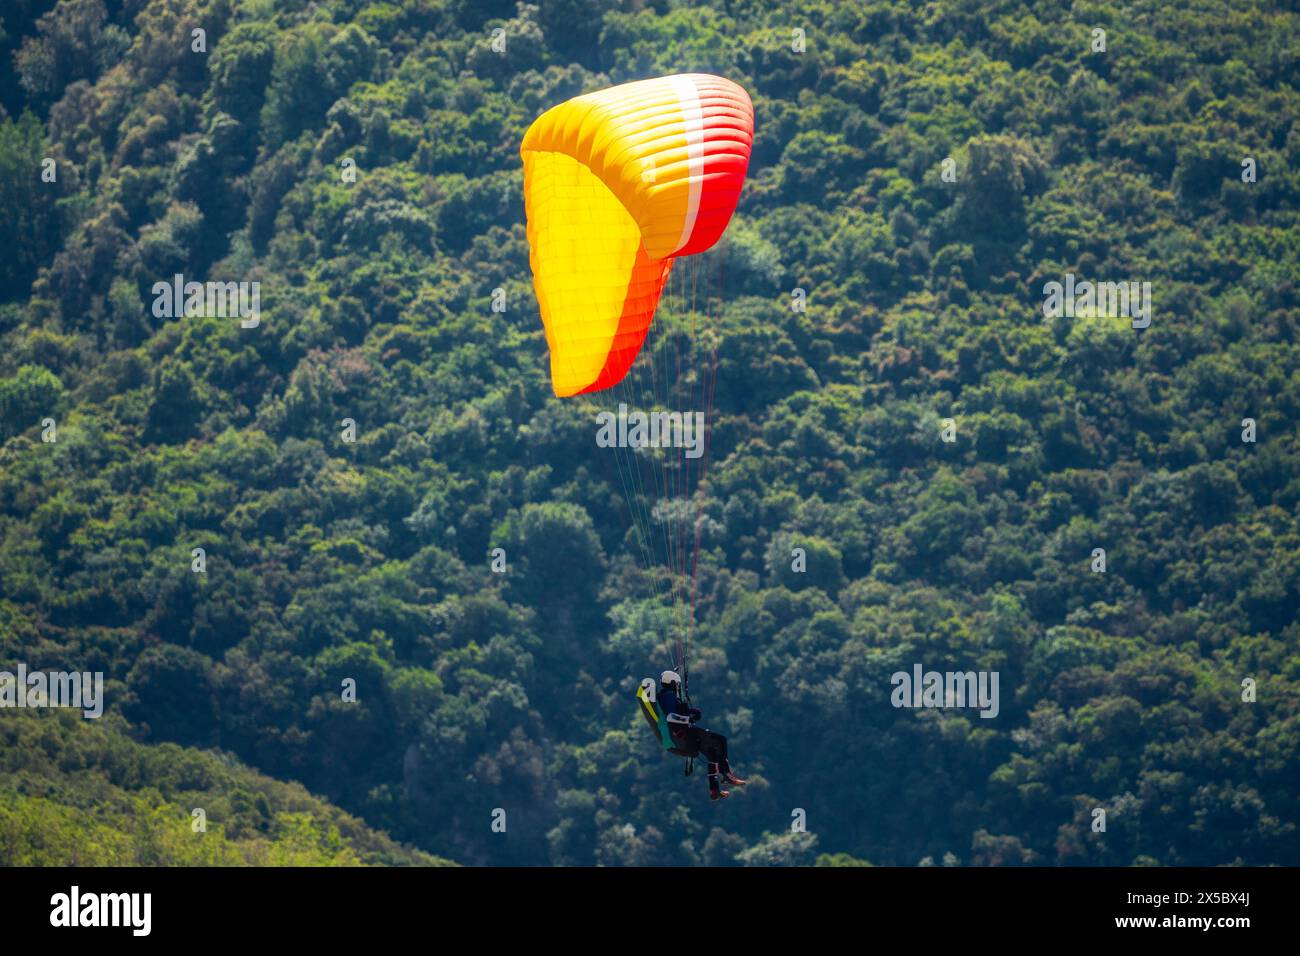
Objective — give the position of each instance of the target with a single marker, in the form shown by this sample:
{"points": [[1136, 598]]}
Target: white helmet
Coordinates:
{"points": [[670, 677]]}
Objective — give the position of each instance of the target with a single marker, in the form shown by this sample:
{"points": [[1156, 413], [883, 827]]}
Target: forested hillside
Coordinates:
{"points": [[920, 172], [78, 794]]}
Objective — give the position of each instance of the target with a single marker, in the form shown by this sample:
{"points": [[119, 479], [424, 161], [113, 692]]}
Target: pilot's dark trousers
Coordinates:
{"points": [[712, 746]]}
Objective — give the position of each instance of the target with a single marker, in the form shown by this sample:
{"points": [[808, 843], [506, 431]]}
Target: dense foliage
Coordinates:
{"points": [[328, 560], [80, 794]]}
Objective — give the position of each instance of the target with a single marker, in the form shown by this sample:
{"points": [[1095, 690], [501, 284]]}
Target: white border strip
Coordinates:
{"points": [[693, 119]]}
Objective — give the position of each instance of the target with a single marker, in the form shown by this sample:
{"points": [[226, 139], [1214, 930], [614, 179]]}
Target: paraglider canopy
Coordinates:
{"points": [[616, 184]]}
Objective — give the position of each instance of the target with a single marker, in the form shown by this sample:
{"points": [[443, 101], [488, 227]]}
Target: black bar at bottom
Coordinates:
{"points": [[232, 906]]}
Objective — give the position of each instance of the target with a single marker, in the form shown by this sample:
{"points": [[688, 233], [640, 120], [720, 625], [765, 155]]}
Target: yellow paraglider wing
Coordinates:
{"points": [[616, 183]]}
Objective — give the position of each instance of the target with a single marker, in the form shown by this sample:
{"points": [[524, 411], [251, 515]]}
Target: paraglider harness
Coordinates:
{"points": [[670, 729]]}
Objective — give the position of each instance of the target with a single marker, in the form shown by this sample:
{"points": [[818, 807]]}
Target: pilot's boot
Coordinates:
{"points": [[715, 785], [730, 776]]}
